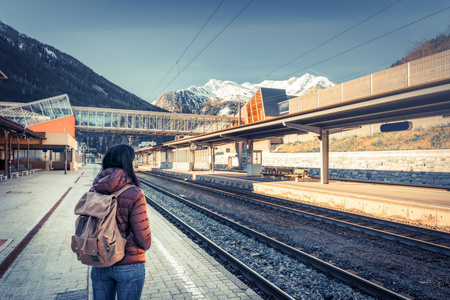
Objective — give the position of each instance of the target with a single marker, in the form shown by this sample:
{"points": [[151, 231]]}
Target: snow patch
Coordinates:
{"points": [[224, 111], [97, 88], [10, 41], [50, 52]]}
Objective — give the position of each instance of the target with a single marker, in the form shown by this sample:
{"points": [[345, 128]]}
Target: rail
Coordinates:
{"points": [[406, 234]]}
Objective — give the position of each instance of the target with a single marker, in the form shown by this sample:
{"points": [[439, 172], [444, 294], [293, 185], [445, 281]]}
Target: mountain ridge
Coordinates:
{"points": [[38, 71], [223, 97]]}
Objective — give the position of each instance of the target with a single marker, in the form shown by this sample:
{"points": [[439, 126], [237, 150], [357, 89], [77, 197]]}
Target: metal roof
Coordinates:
{"points": [[9, 125]]}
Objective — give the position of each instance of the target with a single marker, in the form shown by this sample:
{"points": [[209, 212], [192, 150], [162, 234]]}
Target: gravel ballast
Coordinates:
{"points": [[291, 275]]}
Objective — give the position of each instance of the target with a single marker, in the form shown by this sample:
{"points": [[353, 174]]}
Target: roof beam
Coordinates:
{"points": [[203, 144], [301, 127], [336, 130], [234, 138]]}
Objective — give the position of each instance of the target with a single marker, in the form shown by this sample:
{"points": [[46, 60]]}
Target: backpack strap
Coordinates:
{"points": [[117, 193]]}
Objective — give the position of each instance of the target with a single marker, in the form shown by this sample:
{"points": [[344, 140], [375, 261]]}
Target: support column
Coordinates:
{"points": [[65, 159], [240, 155], [11, 156], [28, 153], [166, 162], [324, 155], [191, 159], [212, 156], [239, 143], [18, 153], [7, 154]]}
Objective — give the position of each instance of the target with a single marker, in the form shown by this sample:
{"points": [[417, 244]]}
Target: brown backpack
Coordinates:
{"points": [[97, 240]]}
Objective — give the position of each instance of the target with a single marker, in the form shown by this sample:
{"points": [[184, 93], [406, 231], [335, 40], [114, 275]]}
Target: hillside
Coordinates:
{"points": [[36, 71], [424, 48]]}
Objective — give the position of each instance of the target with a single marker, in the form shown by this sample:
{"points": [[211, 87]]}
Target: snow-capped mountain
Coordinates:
{"points": [[224, 90], [218, 97], [297, 86]]}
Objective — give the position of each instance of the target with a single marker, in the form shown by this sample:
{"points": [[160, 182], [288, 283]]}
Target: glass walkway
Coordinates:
{"points": [[147, 122], [114, 120]]}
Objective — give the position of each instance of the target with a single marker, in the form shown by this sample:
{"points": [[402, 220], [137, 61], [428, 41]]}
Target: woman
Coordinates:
{"points": [[125, 278]]}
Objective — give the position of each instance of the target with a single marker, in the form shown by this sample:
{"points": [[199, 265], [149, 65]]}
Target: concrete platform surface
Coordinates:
{"points": [[418, 205], [176, 267]]}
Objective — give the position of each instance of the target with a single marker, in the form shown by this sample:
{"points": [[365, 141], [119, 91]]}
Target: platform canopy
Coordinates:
{"points": [[410, 103], [11, 126], [420, 101]]}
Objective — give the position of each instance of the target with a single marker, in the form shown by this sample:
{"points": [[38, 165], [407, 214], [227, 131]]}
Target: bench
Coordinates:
{"points": [[30, 169], [280, 172], [23, 171], [300, 173], [2, 176], [268, 171], [283, 172], [14, 172]]}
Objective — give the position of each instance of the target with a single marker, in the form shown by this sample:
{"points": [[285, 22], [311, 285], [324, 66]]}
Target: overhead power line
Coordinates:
{"points": [[178, 60], [201, 51], [351, 75], [369, 41], [329, 40]]}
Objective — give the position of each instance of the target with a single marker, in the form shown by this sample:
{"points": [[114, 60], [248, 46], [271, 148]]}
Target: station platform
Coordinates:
{"points": [[417, 205], [36, 225]]}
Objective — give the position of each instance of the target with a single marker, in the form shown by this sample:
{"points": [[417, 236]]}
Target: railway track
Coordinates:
{"points": [[372, 288], [427, 239]]}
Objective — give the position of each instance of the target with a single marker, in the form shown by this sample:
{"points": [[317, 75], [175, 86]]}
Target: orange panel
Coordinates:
{"points": [[254, 108], [65, 124]]}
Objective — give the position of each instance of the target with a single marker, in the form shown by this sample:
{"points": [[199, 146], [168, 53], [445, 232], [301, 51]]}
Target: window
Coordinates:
{"points": [[283, 107]]}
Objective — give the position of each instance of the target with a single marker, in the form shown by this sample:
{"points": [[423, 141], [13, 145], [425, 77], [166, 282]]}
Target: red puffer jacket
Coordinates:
{"points": [[131, 213]]}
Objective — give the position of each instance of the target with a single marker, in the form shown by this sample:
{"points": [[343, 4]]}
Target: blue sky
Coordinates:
{"points": [[135, 43]]}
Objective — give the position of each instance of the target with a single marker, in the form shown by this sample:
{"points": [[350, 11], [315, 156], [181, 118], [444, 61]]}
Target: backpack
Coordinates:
{"points": [[97, 240]]}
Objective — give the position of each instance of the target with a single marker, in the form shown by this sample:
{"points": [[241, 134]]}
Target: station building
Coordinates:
{"points": [[38, 135]]}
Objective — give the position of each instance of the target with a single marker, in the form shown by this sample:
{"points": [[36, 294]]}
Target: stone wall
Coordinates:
{"points": [[421, 167]]}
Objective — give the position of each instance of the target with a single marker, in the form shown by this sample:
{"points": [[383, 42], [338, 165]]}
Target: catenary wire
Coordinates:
{"points": [[367, 42], [201, 51], [190, 44], [351, 75], [329, 40]]}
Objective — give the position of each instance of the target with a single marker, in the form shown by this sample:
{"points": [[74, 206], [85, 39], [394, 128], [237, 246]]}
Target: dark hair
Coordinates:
{"points": [[121, 156]]}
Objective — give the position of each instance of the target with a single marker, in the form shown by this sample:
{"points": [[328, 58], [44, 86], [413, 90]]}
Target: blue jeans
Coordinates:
{"points": [[127, 281]]}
